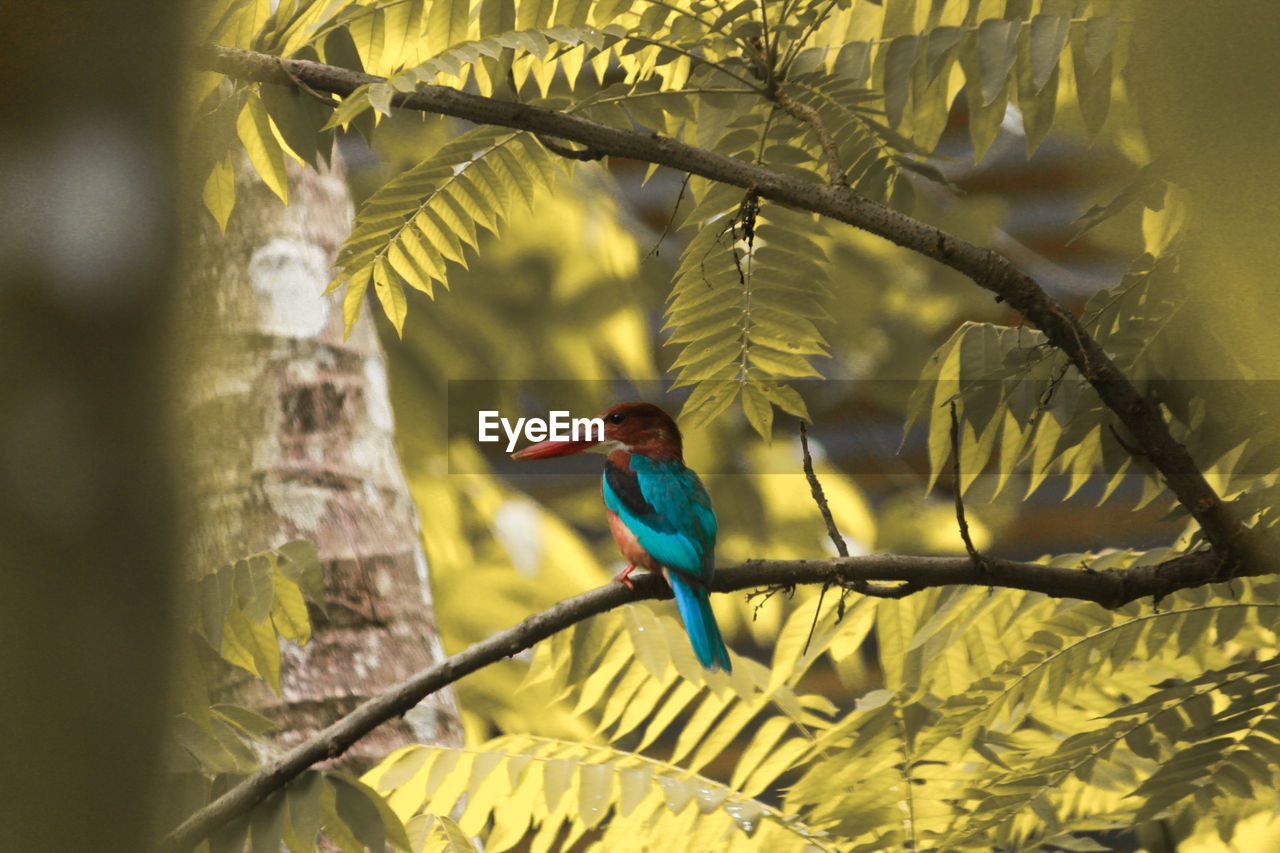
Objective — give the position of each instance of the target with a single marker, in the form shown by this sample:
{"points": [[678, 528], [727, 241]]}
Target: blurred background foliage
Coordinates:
{"points": [[565, 311]]}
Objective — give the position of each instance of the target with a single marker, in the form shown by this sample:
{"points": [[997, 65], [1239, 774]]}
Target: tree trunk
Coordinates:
{"points": [[290, 437]]}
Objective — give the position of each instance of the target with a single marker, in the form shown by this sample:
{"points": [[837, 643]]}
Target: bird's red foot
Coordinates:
{"points": [[623, 579]]}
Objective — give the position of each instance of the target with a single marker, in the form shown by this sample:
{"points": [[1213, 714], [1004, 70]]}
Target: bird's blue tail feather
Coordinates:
{"points": [[699, 622]]}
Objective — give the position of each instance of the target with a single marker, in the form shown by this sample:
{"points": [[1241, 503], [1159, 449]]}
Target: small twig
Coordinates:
{"points": [[820, 498], [766, 593], [979, 562], [584, 154], [808, 115], [302, 84], [858, 585], [666, 229]]}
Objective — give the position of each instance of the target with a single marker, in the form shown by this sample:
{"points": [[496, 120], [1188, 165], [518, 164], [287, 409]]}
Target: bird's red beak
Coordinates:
{"points": [[547, 449]]}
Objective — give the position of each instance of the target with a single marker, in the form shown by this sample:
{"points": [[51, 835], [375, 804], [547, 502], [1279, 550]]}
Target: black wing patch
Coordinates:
{"points": [[625, 485]]}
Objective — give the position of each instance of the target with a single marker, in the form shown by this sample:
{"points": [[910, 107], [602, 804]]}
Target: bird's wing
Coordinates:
{"points": [[667, 508]]}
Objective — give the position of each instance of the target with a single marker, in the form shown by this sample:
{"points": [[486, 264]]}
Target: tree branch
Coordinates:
{"points": [[1111, 588], [986, 267]]}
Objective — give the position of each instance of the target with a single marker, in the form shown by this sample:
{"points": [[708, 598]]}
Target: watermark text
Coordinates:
{"points": [[557, 426]]}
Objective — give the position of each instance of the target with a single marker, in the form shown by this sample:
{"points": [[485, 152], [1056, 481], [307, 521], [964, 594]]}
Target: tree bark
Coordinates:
{"points": [[288, 435]]}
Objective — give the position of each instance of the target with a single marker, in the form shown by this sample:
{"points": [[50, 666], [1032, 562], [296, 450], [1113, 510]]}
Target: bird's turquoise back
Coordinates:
{"points": [[667, 508]]}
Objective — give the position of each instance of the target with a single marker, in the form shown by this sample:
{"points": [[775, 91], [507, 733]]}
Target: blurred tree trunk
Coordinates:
{"points": [[88, 531], [289, 436]]}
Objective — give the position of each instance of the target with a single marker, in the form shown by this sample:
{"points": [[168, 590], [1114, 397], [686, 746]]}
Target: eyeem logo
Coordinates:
{"points": [[557, 427]]}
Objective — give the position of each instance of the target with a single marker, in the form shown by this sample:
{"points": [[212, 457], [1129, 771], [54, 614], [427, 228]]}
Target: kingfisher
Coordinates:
{"points": [[659, 512]]}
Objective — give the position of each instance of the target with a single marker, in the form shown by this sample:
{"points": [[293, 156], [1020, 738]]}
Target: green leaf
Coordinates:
{"points": [[1048, 35], [212, 755], [252, 647], [853, 62], [557, 776], [350, 109], [368, 34], [289, 612], [941, 42], [255, 586], [1036, 102], [534, 13], [787, 399], [265, 154], [380, 95], [899, 59], [456, 838], [251, 722], [365, 813], [997, 49], [301, 564], [1093, 83], [219, 193], [634, 784], [215, 596], [390, 294], [781, 364], [709, 399], [266, 824], [1099, 39], [595, 789], [231, 836], [299, 117], [446, 23], [757, 408], [985, 118]]}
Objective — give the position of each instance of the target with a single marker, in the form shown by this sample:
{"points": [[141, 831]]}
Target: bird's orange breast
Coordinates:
{"points": [[630, 547]]}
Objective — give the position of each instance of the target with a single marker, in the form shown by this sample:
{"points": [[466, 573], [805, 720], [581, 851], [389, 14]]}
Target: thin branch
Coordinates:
{"points": [[819, 496], [808, 115], [1110, 588], [857, 584], [955, 471], [985, 267], [666, 229], [765, 50]]}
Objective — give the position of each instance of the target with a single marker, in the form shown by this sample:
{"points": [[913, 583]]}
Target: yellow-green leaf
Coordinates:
{"points": [[758, 409], [289, 612], [252, 647], [220, 192], [354, 298], [254, 129], [387, 285]]}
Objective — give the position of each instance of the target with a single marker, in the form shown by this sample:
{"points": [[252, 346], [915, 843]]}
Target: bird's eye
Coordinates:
{"points": [[616, 418]]}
